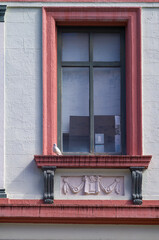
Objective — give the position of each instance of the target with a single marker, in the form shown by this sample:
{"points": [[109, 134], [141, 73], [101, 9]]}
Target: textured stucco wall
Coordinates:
{"points": [[2, 105], [23, 99], [150, 63], [23, 102]]}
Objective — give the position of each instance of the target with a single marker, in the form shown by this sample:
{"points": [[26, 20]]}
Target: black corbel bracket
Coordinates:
{"points": [[136, 174], [2, 193], [2, 12], [49, 173]]}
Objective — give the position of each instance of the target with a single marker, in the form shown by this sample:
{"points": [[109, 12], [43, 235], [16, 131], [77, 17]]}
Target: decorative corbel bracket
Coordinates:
{"points": [[136, 174], [49, 173], [2, 12], [2, 193]]}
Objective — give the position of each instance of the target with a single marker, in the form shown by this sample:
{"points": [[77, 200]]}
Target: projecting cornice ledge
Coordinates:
{"points": [[96, 161], [2, 12], [81, 212]]}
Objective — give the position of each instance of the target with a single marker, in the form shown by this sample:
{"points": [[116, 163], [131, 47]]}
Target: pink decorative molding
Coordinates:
{"points": [[92, 161], [93, 16], [81, 212]]}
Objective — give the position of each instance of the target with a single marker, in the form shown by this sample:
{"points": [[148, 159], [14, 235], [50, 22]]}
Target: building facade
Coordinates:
{"points": [[82, 75]]}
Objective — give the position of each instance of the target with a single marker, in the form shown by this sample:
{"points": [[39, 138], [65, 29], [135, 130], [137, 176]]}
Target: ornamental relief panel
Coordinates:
{"points": [[92, 185]]}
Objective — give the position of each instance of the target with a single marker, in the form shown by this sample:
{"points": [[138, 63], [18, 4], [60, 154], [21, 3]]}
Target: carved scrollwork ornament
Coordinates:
{"points": [[74, 189], [91, 185]]}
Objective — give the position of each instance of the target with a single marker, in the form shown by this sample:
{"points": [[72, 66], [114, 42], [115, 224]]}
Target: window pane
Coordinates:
{"points": [[75, 47], [75, 109], [106, 47], [107, 109]]}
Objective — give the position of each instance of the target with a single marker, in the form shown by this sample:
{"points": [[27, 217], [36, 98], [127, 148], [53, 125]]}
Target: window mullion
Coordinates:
{"points": [[91, 98]]}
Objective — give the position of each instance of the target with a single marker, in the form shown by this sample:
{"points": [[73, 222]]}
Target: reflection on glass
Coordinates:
{"points": [[106, 47], [75, 47], [107, 110], [75, 109]]}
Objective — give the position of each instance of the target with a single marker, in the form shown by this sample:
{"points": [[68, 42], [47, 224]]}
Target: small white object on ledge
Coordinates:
{"points": [[56, 150]]}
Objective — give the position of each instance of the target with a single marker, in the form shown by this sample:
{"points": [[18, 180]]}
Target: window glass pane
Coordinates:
{"points": [[75, 109], [107, 109], [75, 47], [106, 47]]}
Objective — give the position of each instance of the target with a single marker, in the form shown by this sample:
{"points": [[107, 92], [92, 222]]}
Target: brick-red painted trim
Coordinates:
{"points": [[86, 1], [88, 212], [49, 82], [131, 19], [92, 161]]}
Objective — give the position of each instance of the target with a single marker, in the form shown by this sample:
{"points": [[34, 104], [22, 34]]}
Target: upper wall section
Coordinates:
{"points": [[95, 3], [23, 95], [86, 1]]}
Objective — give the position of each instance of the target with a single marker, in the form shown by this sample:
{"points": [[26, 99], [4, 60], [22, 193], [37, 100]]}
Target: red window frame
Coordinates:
{"points": [[93, 16]]}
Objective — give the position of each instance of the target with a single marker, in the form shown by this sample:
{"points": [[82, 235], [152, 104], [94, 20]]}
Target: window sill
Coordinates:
{"points": [[97, 161]]}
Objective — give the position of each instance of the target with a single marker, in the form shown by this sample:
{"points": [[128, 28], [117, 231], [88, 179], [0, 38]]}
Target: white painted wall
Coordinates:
{"points": [[23, 102], [2, 105], [150, 62], [23, 98], [77, 232]]}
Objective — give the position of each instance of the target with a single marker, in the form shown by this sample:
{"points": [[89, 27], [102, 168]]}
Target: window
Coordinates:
{"points": [[130, 19], [91, 90]]}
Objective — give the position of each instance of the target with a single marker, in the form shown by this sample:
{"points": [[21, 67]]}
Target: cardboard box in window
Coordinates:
{"points": [[79, 125]]}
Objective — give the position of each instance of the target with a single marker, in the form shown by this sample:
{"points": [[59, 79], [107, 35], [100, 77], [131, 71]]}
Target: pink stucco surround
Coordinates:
{"points": [[88, 16]]}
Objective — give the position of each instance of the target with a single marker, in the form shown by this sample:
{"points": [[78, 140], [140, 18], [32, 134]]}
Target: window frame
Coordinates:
{"points": [[130, 18], [91, 64]]}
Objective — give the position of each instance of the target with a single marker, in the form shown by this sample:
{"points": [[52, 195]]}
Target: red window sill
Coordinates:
{"points": [[98, 161]]}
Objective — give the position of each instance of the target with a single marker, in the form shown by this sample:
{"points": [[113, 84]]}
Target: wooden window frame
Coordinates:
{"points": [[130, 18], [91, 64]]}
